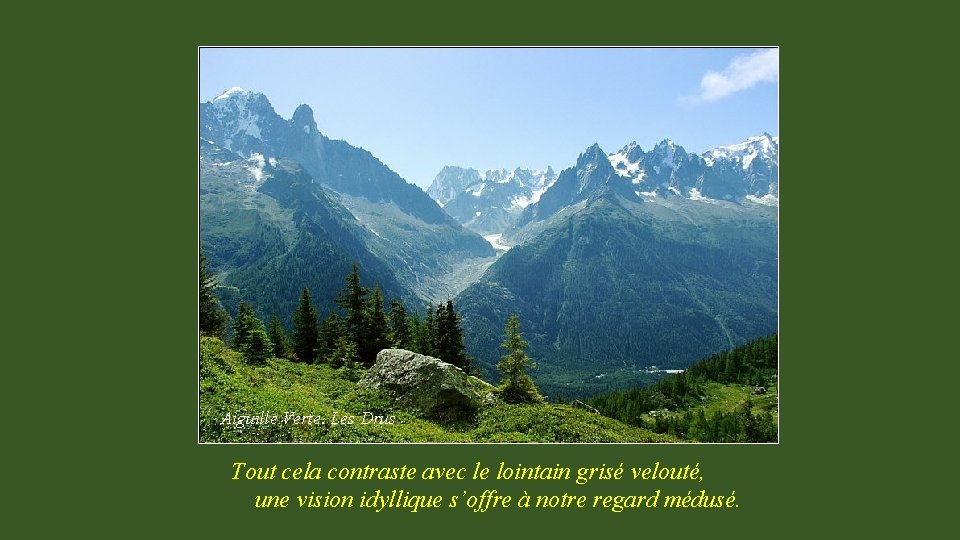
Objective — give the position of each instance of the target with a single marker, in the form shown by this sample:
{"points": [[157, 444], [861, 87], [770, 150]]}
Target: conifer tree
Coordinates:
{"points": [[249, 337], [353, 300], [243, 326], [399, 326], [281, 346], [305, 331], [449, 339], [376, 329], [344, 353], [331, 331], [258, 347], [441, 347], [213, 318], [517, 386]]}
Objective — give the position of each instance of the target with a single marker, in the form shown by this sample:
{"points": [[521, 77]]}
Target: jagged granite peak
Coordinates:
{"points": [[593, 169], [668, 153], [450, 182], [243, 122], [246, 123], [666, 142], [303, 119], [593, 154], [743, 173], [593, 177]]}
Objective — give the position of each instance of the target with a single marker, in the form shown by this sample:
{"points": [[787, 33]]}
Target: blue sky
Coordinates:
{"points": [[418, 109]]}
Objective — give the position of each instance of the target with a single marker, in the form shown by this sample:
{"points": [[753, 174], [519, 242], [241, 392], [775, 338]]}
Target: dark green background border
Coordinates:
{"points": [[108, 187]]}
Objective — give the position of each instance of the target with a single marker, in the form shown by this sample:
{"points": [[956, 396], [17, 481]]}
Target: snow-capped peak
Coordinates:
{"points": [[489, 200], [668, 148], [624, 166], [230, 92], [766, 146], [238, 115]]}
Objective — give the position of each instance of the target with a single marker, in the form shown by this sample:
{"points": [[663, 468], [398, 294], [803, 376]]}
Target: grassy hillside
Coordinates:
{"points": [[230, 386], [721, 401], [728, 397]]}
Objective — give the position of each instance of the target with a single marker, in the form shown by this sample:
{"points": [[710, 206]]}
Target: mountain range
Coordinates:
{"points": [[611, 281], [625, 261], [493, 202], [424, 249], [489, 202]]}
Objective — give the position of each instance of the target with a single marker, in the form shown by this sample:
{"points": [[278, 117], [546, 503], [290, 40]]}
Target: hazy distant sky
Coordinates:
{"points": [[418, 109]]}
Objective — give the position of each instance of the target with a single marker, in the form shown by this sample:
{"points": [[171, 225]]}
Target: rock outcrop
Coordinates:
{"points": [[427, 386]]}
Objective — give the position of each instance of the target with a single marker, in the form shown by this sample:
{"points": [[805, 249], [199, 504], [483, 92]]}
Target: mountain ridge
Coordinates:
{"points": [[415, 231], [608, 278], [745, 173], [272, 230]]}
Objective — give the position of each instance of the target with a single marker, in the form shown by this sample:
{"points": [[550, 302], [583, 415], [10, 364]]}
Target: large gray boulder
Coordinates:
{"points": [[427, 386]]}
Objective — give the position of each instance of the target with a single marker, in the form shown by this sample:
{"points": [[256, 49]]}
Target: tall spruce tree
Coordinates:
{"points": [[449, 338], [278, 336], [517, 386], [213, 318], [305, 331], [399, 326], [376, 335], [353, 301]]}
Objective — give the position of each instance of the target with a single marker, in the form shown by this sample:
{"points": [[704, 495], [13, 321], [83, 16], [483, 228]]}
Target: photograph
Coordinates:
{"points": [[488, 245]]}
